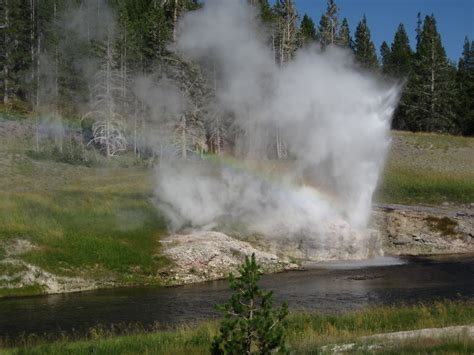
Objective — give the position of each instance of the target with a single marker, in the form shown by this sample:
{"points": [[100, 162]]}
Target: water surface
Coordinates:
{"points": [[329, 287]]}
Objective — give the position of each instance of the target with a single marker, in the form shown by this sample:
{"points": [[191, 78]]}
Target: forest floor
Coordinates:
{"points": [[447, 329], [98, 227]]}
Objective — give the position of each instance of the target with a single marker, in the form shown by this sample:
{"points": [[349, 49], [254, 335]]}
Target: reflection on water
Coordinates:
{"points": [[328, 287], [357, 264]]}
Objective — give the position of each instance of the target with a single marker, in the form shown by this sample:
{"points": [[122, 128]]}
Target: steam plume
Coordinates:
{"points": [[333, 119]]}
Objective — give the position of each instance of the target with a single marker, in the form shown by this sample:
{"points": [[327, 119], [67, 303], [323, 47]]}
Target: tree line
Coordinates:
{"points": [[80, 58], [438, 96]]}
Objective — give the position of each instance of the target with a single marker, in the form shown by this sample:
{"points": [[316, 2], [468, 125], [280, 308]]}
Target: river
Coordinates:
{"points": [[329, 287]]}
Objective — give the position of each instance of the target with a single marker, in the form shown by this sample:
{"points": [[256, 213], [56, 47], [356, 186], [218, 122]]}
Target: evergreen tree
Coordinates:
{"points": [[266, 13], [148, 31], [401, 56], [15, 59], [364, 47], [344, 38], [418, 30], [465, 87], [328, 25], [6, 46], [385, 55], [251, 325], [398, 65], [307, 30], [430, 95], [46, 69], [174, 9]]}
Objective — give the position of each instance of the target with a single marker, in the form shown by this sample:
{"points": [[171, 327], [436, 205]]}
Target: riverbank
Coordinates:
{"points": [[329, 288], [395, 230], [204, 256], [307, 332], [67, 227]]}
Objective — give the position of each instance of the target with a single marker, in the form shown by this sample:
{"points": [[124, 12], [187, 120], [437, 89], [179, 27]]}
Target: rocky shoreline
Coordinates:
{"points": [[395, 230], [415, 230], [204, 256]]}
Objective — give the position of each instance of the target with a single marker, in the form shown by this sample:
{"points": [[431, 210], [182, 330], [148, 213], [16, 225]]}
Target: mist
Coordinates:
{"points": [[330, 119]]}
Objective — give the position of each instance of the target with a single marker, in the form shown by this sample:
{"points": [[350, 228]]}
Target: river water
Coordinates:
{"points": [[330, 287]]}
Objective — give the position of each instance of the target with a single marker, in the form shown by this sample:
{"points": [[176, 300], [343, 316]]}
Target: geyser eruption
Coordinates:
{"points": [[333, 121]]}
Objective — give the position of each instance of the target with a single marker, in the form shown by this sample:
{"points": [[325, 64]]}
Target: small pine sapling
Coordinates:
{"points": [[251, 324]]}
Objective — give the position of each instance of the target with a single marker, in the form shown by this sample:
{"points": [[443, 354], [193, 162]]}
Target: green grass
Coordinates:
{"points": [[80, 229], [98, 223], [428, 169], [306, 333], [28, 290], [411, 186], [100, 234]]}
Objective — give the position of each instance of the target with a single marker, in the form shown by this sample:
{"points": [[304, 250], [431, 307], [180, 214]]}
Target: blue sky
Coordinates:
{"points": [[455, 18]]}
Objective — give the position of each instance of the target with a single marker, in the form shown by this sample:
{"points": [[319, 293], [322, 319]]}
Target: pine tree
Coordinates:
{"points": [[266, 13], [465, 87], [6, 45], [418, 30], [147, 29], [401, 56], [15, 24], [398, 64], [364, 47], [328, 25], [251, 325], [307, 30], [175, 8], [344, 38], [430, 91], [385, 54]]}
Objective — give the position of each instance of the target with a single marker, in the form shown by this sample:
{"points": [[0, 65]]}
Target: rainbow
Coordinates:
{"points": [[268, 171]]}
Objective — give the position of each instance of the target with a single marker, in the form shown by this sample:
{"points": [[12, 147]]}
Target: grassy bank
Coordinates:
{"points": [[428, 169], [306, 333], [98, 223]]}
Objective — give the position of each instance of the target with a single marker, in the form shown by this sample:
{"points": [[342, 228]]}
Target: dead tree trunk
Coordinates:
{"points": [[183, 137], [32, 45], [7, 56], [38, 53], [175, 18], [432, 85], [109, 109], [56, 82]]}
